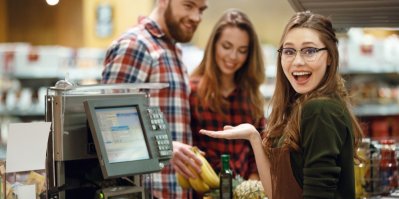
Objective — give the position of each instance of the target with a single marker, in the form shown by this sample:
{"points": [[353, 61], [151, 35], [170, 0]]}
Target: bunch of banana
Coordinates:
{"points": [[204, 181]]}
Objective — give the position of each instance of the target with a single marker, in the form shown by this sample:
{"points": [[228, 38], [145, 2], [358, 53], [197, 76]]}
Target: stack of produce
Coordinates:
{"points": [[204, 181], [250, 189]]}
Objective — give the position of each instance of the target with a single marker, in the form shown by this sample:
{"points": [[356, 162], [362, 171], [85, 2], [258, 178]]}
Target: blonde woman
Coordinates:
{"points": [[225, 90]]}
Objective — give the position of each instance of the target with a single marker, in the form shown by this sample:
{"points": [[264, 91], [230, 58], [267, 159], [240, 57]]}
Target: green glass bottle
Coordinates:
{"points": [[226, 178]]}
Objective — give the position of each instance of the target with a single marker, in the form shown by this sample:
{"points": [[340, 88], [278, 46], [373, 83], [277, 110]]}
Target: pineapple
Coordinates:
{"points": [[249, 189]]}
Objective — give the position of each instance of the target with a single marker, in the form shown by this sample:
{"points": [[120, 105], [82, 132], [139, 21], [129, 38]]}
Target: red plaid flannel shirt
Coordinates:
{"points": [[242, 160], [145, 54]]}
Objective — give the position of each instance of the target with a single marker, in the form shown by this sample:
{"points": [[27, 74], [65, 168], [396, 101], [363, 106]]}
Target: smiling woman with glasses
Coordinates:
{"points": [[309, 146]]}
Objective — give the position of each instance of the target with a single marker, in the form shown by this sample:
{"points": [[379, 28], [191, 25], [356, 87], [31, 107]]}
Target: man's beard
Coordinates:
{"points": [[174, 29]]}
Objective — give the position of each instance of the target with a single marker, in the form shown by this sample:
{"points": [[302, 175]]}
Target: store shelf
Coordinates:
{"points": [[378, 71], [72, 73], [368, 72], [22, 113], [33, 111], [367, 110]]}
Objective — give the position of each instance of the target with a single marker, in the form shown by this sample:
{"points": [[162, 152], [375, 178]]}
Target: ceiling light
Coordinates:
{"points": [[52, 2]]}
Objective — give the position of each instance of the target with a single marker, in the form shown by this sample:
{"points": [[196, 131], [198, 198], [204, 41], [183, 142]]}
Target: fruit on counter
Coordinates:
{"points": [[197, 183], [207, 174], [204, 181], [249, 189], [182, 181]]}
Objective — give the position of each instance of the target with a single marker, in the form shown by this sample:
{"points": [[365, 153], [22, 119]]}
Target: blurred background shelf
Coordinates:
{"points": [[367, 110]]}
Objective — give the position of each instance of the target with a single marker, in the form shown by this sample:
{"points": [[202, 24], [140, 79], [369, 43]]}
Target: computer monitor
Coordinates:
{"points": [[129, 136]]}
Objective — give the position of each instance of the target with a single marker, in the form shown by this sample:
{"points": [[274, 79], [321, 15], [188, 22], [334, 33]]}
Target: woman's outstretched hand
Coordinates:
{"points": [[242, 131], [248, 132]]}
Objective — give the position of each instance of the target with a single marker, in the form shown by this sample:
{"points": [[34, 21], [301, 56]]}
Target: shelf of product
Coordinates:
{"points": [[26, 71], [22, 61], [374, 94], [363, 52], [377, 174], [367, 110], [22, 101]]}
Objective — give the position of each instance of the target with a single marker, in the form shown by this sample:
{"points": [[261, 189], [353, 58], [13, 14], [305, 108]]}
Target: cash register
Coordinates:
{"points": [[103, 139]]}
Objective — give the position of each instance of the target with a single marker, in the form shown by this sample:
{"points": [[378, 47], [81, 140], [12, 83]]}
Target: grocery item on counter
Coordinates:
{"points": [[206, 180], [226, 178], [249, 189]]}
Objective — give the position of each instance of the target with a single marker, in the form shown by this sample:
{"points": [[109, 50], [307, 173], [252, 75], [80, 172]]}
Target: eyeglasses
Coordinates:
{"points": [[309, 54]]}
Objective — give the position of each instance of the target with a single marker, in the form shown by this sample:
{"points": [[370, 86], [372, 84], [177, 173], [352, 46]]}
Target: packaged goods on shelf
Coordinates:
{"points": [[88, 64], [363, 52], [24, 61], [34, 61], [377, 174]]}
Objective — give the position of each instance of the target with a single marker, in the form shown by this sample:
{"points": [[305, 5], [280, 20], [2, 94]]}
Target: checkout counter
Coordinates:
{"points": [[105, 140]]}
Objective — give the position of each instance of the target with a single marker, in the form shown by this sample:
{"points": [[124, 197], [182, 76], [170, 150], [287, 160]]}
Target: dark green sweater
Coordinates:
{"points": [[324, 167]]}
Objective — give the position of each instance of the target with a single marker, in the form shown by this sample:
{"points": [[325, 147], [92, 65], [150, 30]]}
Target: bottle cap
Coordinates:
{"points": [[225, 156], [225, 161]]}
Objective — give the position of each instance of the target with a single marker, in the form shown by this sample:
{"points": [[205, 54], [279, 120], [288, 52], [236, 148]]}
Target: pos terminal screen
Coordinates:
{"points": [[122, 133]]}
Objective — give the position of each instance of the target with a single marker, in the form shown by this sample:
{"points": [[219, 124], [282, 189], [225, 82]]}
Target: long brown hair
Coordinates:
{"points": [[248, 78], [286, 104]]}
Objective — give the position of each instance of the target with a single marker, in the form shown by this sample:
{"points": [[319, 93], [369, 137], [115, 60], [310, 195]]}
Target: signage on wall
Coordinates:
{"points": [[104, 20]]}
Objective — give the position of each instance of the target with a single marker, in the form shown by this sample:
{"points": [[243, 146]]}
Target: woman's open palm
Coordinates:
{"points": [[242, 131]]}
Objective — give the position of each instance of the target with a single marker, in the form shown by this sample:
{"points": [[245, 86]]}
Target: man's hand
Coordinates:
{"points": [[183, 157]]}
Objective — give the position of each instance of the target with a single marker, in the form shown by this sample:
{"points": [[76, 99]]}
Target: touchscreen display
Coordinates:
{"points": [[122, 134]]}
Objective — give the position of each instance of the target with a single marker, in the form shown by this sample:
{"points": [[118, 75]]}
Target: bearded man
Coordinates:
{"points": [[148, 52]]}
